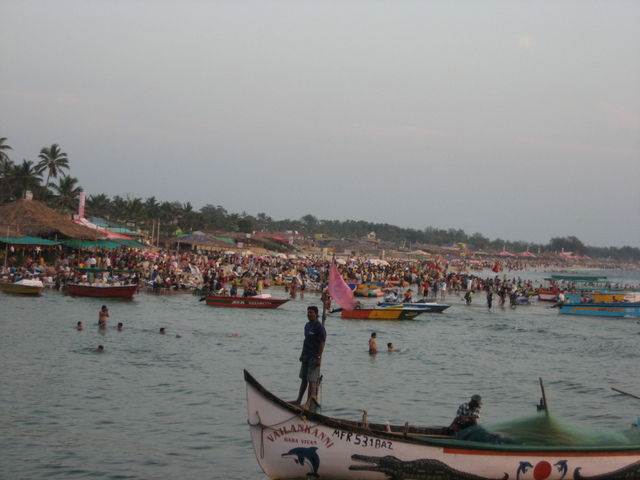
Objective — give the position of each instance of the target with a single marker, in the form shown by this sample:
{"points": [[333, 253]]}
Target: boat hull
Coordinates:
{"points": [[21, 289], [381, 313], [548, 294], [291, 443], [121, 291], [244, 302], [619, 309], [426, 306]]}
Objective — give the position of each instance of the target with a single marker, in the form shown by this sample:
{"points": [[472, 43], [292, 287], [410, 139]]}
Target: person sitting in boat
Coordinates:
{"points": [[467, 414], [249, 292], [408, 296], [391, 297]]}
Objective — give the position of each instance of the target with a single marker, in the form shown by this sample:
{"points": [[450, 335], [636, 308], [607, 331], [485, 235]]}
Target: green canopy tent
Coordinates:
{"points": [[128, 242], [28, 241], [90, 243]]}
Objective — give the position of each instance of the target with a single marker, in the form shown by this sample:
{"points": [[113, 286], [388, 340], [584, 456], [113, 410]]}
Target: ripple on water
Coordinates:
{"points": [[163, 407]]}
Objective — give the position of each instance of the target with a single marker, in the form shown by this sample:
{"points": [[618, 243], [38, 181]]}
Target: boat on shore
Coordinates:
{"points": [[24, 286], [428, 307], [602, 309], [293, 443], [389, 313], [257, 301], [101, 290]]}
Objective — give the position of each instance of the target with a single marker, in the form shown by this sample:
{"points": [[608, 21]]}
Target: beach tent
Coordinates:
{"points": [[100, 243], [32, 218], [201, 240], [26, 240], [129, 242], [565, 255], [104, 232]]}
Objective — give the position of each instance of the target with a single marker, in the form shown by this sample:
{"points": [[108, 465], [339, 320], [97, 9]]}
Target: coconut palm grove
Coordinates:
{"points": [[51, 182]]}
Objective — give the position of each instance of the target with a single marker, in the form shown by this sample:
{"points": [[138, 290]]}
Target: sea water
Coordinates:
{"points": [[156, 406]]}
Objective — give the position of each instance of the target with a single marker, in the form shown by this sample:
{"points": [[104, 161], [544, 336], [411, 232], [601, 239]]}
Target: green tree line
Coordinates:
{"points": [[47, 178]]}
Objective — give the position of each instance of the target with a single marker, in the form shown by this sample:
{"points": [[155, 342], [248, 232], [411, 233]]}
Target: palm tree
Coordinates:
{"points": [[3, 149], [68, 193], [119, 209], [7, 168], [52, 160], [135, 210], [26, 177], [98, 205], [168, 213], [152, 208]]}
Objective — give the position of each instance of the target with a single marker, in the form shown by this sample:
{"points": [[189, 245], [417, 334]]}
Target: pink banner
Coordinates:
{"points": [[339, 290], [81, 205]]}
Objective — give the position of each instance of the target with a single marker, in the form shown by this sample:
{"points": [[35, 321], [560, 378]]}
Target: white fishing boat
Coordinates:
{"points": [[293, 443]]}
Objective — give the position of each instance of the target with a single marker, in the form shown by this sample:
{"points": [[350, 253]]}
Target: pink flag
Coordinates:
{"points": [[339, 290]]}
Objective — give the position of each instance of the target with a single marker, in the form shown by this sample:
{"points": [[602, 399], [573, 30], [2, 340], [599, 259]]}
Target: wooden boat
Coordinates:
{"points": [[102, 290], [598, 297], [257, 301], [429, 307], [389, 313], [597, 289], [292, 443], [602, 309], [548, 294], [25, 286]]}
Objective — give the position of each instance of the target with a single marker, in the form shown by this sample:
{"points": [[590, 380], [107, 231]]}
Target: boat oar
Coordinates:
{"points": [[625, 393], [544, 398]]}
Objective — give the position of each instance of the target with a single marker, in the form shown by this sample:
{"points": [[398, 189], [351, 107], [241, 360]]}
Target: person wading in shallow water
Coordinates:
{"points": [[102, 316], [373, 346], [315, 337]]}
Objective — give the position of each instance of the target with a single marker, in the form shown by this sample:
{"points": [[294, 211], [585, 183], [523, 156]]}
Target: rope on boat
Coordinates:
{"points": [[264, 427]]}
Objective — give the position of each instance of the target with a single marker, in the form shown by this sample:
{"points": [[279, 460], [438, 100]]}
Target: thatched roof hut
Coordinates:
{"points": [[30, 217]]}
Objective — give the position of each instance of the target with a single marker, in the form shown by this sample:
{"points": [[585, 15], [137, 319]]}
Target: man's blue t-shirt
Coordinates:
{"points": [[314, 335]]}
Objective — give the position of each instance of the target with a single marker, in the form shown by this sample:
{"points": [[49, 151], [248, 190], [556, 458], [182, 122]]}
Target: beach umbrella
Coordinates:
{"points": [[150, 254], [527, 254], [565, 255], [504, 253], [341, 261]]}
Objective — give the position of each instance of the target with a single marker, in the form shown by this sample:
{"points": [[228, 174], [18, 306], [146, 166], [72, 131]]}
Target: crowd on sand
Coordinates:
{"points": [[235, 272]]}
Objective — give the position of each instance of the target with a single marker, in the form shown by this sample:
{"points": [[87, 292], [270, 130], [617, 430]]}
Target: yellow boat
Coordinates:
{"points": [[26, 286]]}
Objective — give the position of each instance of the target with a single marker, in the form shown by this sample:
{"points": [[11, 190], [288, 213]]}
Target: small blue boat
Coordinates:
{"points": [[602, 309]]}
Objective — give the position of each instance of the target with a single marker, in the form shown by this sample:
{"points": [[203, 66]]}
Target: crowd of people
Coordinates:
{"points": [[236, 273]]}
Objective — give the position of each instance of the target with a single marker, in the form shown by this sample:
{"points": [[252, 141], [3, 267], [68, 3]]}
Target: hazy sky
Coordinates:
{"points": [[519, 120]]}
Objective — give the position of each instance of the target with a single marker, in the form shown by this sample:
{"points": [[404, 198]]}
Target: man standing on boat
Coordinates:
{"points": [[315, 337], [467, 414]]}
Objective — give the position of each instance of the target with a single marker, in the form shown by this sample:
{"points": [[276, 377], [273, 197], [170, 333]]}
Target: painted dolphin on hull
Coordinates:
{"points": [[303, 455]]}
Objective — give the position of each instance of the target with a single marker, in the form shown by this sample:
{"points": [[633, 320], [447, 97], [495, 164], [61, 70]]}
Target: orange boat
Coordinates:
{"points": [[382, 313]]}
